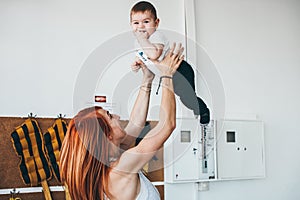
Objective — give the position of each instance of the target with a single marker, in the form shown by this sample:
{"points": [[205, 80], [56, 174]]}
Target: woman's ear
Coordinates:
{"points": [[110, 137]]}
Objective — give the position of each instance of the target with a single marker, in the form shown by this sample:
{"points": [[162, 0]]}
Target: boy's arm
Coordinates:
{"points": [[152, 50]]}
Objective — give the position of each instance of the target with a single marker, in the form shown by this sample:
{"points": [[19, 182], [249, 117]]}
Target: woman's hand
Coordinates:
{"points": [[172, 60], [148, 75]]}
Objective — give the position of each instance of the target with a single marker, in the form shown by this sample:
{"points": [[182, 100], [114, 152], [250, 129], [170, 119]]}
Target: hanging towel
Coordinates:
{"points": [[29, 146], [53, 140]]}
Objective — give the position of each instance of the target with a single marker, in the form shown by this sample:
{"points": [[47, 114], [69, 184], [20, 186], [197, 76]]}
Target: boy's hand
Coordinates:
{"points": [[141, 34], [136, 65]]}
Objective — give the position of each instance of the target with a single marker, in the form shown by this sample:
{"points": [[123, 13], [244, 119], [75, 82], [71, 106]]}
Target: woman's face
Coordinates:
{"points": [[114, 121]]}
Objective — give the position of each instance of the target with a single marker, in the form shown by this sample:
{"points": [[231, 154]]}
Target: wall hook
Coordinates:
{"points": [[60, 116], [31, 115], [13, 193]]}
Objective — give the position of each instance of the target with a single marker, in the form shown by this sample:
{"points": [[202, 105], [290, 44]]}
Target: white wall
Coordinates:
{"points": [[43, 45], [255, 46]]}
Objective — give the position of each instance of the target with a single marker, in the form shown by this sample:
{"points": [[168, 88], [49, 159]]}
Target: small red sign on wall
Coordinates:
{"points": [[100, 99]]}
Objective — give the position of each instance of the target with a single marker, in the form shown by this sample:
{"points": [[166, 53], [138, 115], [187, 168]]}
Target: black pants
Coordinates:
{"points": [[184, 87]]}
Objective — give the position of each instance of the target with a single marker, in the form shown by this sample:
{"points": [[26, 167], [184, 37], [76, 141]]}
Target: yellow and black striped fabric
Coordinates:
{"points": [[29, 146], [53, 140]]}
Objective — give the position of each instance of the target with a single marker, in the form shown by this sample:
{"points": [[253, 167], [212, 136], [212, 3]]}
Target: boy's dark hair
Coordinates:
{"points": [[143, 6]]}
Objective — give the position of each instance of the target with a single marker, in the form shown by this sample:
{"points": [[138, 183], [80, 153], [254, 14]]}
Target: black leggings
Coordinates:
{"points": [[184, 87]]}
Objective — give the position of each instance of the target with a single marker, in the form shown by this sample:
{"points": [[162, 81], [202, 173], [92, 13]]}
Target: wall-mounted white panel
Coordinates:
{"points": [[186, 151], [181, 152], [240, 150], [189, 153]]}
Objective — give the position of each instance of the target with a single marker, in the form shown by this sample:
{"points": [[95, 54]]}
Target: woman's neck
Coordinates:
{"points": [[114, 153]]}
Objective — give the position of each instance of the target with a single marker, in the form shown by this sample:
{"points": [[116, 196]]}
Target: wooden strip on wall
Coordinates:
{"points": [[9, 161]]}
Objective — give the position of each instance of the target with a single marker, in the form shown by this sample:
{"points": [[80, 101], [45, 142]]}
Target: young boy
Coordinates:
{"points": [[154, 45]]}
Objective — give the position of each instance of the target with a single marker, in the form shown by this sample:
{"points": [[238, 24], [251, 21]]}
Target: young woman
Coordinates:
{"points": [[98, 160]]}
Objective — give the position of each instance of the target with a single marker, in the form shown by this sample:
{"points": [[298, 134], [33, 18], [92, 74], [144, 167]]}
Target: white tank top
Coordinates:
{"points": [[147, 190]]}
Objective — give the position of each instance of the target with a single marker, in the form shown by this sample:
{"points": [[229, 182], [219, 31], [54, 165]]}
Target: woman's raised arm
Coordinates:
{"points": [[135, 158], [140, 109]]}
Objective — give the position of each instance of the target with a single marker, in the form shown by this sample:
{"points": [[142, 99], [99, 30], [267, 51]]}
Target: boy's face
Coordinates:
{"points": [[144, 22]]}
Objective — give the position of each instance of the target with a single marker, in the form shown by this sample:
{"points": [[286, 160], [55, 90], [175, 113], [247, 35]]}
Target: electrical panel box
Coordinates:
{"points": [[240, 149], [226, 150], [189, 153], [222, 150]]}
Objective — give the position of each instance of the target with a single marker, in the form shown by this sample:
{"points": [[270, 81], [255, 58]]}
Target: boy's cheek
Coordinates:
{"points": [[133, 27]]}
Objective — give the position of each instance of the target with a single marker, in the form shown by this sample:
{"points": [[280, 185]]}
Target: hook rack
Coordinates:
{"points": [[31, 115], [13, 193], [60, 116]]}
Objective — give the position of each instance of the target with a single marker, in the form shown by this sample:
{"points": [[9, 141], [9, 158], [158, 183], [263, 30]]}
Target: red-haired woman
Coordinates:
{"points": [[97, 158]]}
